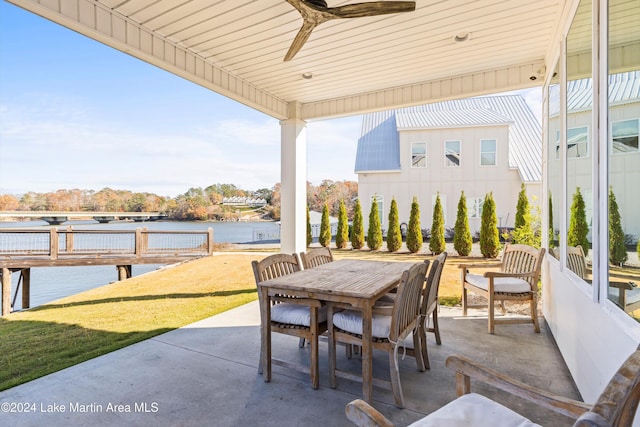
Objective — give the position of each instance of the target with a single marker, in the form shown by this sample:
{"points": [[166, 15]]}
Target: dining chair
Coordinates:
{"points": [[390, 326], [516, 280], [315, 257], [616, 406], [300, 317], [429, 307]]}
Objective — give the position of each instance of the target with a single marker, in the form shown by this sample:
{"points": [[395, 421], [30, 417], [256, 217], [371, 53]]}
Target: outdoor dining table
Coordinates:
{"points": [[355, 284]]}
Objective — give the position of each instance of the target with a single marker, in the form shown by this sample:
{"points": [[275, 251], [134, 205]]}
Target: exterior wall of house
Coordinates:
{"points": [[425, 182]]}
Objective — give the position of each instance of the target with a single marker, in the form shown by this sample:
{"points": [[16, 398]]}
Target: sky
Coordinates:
{"points": [[75, 113]]}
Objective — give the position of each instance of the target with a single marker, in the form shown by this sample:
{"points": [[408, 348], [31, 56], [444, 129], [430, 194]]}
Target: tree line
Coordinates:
{"points": [[196, 203]]}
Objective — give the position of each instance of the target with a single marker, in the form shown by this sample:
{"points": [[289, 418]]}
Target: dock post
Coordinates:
{"points": [[26, 287], [124, 272], [6, 292], [210, 241]]}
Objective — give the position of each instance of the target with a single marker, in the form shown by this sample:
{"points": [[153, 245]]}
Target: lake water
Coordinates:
{"points": [[51, 283]]}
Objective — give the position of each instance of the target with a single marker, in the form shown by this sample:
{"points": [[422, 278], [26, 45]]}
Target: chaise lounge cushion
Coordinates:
{"points": [[296, 314], [512, 285], [473, 410]]}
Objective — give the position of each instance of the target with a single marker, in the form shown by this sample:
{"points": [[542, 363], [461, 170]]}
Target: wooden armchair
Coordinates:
{"points": [[516, 280], [300, 317], [429, 306], [616, 406], [315, 257], [391, 325]]}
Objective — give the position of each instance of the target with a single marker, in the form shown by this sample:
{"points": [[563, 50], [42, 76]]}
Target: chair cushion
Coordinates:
{"points": [[296, 314], [500, 284], [351, 321], [474, 410]]}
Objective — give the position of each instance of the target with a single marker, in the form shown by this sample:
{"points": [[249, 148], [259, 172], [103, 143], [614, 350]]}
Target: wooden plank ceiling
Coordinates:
{"points": [[357, 64]]}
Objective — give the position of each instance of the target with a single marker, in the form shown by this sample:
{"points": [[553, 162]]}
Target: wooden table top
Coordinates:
{"points": [[343, 278]]}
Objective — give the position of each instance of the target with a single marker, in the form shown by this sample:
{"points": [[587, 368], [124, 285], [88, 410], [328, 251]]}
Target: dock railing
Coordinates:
{"points": [[23, 249]]}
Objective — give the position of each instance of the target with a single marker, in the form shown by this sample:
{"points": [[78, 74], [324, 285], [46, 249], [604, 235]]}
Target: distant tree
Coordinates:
{"points": [[309, 234], [325, 227], [394, 236], [489, 237], [414, 233], [578, 227], [638, 247], [462, 240], [436, 242], [342, 235], [357, 231], [8, 202], [374, 233], [617, 248]]}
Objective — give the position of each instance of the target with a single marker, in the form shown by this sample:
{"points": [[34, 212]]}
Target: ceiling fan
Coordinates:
{"points": [[315, 12]]}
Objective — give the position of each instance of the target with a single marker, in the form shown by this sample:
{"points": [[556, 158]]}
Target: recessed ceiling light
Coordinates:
{"points": [[307, 76], [462, 37]]}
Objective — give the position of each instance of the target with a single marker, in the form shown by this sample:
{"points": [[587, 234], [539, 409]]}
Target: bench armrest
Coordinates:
{"points": [[467, 369]]}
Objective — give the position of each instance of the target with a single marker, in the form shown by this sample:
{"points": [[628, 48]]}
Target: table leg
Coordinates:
{"points": [[367, 355], [265, 334]]}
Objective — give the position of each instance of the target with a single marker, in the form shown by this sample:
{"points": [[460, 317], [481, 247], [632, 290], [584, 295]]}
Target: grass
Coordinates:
{"points": [[71, 330]]}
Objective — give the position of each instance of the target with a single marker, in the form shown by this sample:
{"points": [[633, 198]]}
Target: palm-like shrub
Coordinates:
{"points": [[394, 236], [325, 227], [436, 242], [462, 240], [617, 249], [414, 233], [578, 227], [374, 233], [342, 234], [489, 237], [357, 231]]}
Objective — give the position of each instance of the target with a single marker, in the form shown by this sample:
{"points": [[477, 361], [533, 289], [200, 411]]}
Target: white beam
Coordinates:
{"points": [[293, 182]]}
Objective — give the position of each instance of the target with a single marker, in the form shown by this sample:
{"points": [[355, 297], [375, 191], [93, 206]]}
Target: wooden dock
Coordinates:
{"points": [[23, 249]]}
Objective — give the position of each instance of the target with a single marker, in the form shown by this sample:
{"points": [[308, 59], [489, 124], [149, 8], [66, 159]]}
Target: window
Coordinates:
{"points": [[474, 207], [419, 155], [577, 142], [452, 153], [625, 136], [487, 152]]}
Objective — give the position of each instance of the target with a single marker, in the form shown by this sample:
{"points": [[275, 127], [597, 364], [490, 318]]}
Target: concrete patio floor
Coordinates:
{"points": [[205, 374]]}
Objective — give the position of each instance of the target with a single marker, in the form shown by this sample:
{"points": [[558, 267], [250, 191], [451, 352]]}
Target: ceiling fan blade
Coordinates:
{"points": [[358, 10], [300, 40]]}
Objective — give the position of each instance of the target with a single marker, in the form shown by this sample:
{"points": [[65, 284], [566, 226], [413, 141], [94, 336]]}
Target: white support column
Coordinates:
{"points": [[293, 182]]}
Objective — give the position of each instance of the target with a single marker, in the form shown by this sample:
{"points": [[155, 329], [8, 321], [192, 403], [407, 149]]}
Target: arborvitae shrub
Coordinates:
{"points": [[489, 237], [394, 236], [374, 233], [414, 233], [552, 236], [309, 234], [325, 227], [436, 242], [522, 208], [578, 227], [523, 232], [342, 234], [617, 249], [462, 240], [357, 230]]}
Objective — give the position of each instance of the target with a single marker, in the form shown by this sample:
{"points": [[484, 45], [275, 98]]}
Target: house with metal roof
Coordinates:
{"points": [[476, 145]]}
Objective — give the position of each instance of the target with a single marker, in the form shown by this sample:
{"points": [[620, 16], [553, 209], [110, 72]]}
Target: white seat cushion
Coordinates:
{"points": [[474, 410], [296, 314], [351, 321], [500, 284]]}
